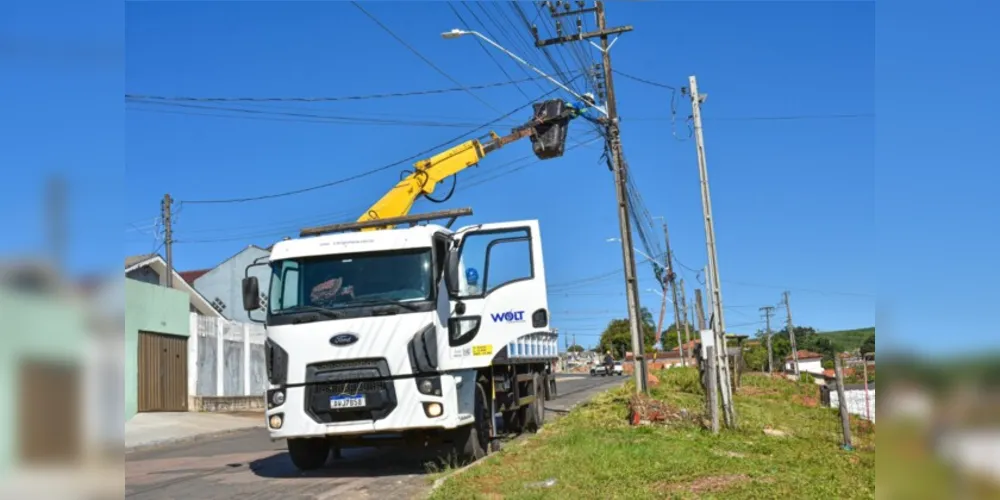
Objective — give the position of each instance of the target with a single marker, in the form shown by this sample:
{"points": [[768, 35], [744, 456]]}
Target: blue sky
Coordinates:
{"points": [[794, 200]]}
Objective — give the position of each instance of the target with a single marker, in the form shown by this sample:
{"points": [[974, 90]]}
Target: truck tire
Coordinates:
{"points": [[308, 453], [474, 439], [534, 413]]}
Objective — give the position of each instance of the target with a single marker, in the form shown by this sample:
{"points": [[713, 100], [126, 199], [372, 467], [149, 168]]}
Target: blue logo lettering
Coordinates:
{"points": [[509, 317]]}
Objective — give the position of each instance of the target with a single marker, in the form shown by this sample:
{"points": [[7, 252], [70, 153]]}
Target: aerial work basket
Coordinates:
{"points": [[549, 141]]}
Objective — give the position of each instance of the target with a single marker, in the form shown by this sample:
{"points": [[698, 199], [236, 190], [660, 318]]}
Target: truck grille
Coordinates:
{"points": [[350, 377]]}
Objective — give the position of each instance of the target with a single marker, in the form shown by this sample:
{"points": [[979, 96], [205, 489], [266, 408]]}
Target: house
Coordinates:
{"points": [[222, 284], [809, 362], [152, 269], [157, 328], [58, 357]]}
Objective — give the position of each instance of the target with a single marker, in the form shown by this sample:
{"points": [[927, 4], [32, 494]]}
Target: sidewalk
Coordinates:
{"points": [[152, 429]]}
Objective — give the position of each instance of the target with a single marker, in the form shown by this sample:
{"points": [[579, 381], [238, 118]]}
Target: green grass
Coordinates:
{"points": [[849, 340], [594, 453]]}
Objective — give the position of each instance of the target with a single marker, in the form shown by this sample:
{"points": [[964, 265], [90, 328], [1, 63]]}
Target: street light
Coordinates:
{"points": [[640, 252], [456, 33]]}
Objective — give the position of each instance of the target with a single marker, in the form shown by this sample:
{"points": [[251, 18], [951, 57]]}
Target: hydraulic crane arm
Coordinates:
{"points": [[429, 172]]}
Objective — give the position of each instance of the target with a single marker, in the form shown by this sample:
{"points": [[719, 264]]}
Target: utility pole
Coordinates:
{"points": [[713, 281], [699, 309], [168, 238], [56, 214], [687, 324], [672, 279], [768, 311], [663, 310], [791, 337], [621, 176]]}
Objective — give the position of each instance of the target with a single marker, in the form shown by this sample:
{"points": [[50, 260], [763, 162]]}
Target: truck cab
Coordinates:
{"points": [[405, 336]]}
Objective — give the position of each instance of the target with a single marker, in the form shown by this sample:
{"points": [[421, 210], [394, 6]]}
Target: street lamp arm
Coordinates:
{"points": [[455, 33]]}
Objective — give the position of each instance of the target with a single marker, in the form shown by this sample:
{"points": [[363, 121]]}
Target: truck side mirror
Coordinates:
{"points": [[251, 293], [451, 272]]}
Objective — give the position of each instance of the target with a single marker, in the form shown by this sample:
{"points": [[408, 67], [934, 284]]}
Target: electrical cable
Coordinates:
{"points": [[372, 171], [422, 57], [364, 97]]}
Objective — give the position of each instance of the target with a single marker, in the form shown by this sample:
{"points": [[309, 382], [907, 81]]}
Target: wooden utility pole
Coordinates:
{"points": [[613, 138], [768, 311], [791, 337], [671, 278], [168, 238], [687, 324], [56, 214], [713, 281]]}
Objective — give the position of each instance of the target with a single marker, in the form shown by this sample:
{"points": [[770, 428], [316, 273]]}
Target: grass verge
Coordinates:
{"points": [[594, 453]]}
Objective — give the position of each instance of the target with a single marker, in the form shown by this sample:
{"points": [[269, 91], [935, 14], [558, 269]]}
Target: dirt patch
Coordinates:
{"points": [[757, 391], [646, 410], [807, 401], [707, 484]]}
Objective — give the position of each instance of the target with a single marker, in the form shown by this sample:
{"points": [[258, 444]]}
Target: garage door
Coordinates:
{"points": [[162, 372], [49, 411]]}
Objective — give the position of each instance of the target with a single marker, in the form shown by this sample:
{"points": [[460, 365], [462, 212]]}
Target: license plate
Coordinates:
{"points": [[337, 402]]}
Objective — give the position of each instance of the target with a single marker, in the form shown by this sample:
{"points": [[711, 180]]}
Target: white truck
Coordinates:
{"points": [[415, 336]]}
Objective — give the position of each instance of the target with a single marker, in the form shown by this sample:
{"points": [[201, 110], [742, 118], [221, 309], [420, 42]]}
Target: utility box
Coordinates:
{"points": [[550, 139]]}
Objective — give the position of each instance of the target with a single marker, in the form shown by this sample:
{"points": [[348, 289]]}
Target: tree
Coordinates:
{"points": [[617, 337], [668, 339], [574, 348], [755, 358], [869, 345]]}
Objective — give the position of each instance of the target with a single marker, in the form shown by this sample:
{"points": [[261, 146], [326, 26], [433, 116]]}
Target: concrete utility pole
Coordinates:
{"points": [[671, 278], [699, 309], [168, 238], [713, 281], [791, 337], [621, 177], [768, 311]]}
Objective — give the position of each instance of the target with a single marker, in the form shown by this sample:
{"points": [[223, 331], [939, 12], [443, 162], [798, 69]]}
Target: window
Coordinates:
{"points": [[343, 281], [491, 260]]}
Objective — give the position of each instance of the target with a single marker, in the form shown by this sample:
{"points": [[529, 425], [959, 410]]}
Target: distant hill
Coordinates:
{"points": [[849, 340]]}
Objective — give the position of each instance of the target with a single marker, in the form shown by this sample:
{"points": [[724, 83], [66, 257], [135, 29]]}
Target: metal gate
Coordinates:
{"points": [[50, 410], [162, 372]]}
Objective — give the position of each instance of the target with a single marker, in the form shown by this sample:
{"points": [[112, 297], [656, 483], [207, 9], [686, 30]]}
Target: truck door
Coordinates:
{"points": [[497, 288]]}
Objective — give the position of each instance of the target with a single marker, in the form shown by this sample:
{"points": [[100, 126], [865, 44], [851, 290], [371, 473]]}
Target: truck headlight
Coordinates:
{"points": [[430, 386], [276, 397]]}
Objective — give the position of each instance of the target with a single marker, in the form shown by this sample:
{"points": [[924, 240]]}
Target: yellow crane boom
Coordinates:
{"points": [[427, 173]]}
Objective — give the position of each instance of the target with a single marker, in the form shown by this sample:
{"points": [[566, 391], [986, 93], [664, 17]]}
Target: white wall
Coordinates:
{"points": [[855, 401], [813, 366], [225, 358]]}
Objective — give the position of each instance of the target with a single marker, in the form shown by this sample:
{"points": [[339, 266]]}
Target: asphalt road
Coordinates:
{"points": [[247, 465]]}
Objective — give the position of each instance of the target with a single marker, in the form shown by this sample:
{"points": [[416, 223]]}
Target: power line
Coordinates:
{"points": [[360, 175], [363, 97], [306, 117], [422, 57], [279, 229], [643, 80]]}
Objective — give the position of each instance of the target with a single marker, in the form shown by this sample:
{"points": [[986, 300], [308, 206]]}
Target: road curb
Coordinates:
{"points": [[185, 439], [516, 442]]}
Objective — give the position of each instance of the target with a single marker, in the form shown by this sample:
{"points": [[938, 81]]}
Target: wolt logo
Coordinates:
{"points": [[509, 317]]}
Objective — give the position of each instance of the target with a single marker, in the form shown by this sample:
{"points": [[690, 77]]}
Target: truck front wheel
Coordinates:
{"points": [[474, 439], [308, 454]]}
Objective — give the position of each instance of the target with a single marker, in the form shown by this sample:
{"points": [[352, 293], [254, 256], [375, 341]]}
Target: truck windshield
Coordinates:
{"points": [[343, 281]]}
